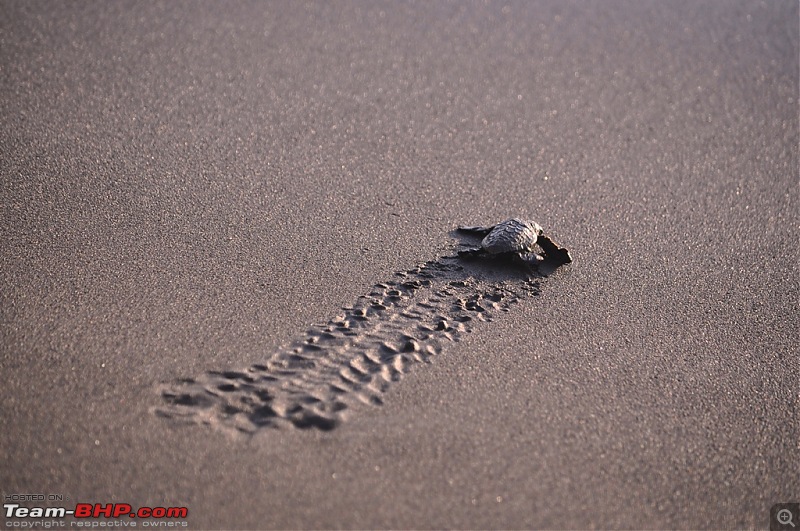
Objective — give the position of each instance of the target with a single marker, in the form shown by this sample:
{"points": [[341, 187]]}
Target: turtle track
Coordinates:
{"points": [[316, 381]]}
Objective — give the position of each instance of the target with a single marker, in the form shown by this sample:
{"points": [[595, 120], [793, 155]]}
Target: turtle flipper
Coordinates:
{"points": [[553, 251], [472, 252], [480, 231], [531, 259]]}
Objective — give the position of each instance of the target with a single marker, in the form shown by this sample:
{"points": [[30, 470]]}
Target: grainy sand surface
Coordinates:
{"points": [[189, 187]]}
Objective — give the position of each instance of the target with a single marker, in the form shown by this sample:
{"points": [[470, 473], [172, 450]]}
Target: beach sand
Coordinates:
{"points": [[188, 187]]}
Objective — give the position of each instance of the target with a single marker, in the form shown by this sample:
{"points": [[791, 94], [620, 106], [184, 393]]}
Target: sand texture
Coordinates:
{"points": [[229, 276]]}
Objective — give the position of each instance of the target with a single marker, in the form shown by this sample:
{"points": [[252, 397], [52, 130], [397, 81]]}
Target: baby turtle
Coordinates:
{"points": [[515, 237]]}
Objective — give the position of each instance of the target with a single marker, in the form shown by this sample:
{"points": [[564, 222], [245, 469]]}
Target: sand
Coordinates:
{"points": [[189, 187]]}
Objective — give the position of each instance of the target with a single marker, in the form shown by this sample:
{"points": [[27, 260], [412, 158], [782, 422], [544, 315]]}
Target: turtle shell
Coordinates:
{"points": [[512, 236]]}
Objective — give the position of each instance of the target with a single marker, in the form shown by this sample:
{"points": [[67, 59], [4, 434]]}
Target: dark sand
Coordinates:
{"points": [[188, 186]]}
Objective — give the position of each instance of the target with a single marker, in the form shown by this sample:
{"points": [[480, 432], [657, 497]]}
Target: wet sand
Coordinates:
{"points": [[188, 188]]}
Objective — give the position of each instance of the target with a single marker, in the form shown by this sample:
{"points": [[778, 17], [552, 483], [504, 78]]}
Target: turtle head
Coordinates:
{"points": [[536, 227]]}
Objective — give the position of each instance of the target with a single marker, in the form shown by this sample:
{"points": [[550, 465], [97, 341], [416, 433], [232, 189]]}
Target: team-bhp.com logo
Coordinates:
{"points": [[95, 511]]}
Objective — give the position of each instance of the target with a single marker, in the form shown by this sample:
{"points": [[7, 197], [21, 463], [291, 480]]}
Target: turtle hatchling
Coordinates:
{"points": [[515, 237]]}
